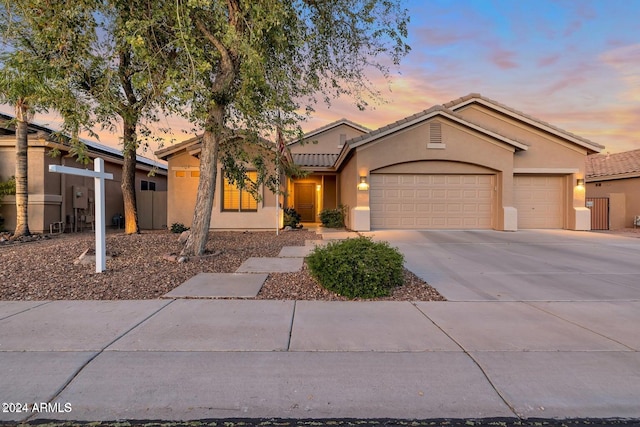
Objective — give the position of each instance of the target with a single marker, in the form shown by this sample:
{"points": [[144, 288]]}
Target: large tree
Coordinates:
{"points": [[255, 64], [125, 78], [38, 55]]}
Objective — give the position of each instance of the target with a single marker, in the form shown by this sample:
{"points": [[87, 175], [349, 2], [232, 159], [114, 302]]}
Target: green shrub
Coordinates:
{"points": [[291, 218], [7, 188], [178, 227], [357, 268], [333, 218]]}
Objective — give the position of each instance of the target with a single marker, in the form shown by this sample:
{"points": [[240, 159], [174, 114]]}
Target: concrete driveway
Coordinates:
{"points": [[528, 265]]}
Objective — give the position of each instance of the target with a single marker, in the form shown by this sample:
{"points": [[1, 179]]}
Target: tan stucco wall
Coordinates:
{"points": [[630, 187], [327, 141], [347, 185], [181, 193], [435, 167], [461, 145], [181, 199]]}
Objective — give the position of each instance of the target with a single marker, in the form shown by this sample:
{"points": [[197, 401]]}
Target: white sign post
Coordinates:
{"points": [[99, 176]]}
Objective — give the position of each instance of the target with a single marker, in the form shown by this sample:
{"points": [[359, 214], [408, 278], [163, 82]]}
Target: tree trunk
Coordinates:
{"points": [[197, 240], [22, 165], [128, 184]]}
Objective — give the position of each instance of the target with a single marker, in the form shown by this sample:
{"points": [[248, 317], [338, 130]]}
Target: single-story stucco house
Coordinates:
{"points": [[471, 163], [61, 202], [615, 178]]}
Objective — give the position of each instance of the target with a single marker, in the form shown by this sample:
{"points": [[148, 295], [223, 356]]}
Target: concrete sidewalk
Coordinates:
{"points": [[202, 359]]}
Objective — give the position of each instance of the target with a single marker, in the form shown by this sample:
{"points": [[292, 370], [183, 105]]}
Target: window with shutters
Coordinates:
{"points": [[235, 199]]}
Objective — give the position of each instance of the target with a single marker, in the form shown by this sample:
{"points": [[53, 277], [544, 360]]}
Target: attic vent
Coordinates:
{"points": [[435, 135], [343, 139]]}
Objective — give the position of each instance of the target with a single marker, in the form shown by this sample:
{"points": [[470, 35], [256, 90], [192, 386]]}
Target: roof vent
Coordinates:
{"points": [[343, 139], [435, 135]]}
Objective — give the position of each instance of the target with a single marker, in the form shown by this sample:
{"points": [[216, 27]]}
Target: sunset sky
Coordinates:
{"points": [[573, 63]]}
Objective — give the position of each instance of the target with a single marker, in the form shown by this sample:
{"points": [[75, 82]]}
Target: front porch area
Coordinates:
{"points": [[311, 194]]}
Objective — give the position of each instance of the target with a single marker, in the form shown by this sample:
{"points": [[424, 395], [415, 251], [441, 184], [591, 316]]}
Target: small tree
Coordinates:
{"points": [[124, 76]]}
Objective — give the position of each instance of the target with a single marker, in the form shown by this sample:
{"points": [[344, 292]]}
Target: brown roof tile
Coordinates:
{"points": [[601, 165], [314, 159]]}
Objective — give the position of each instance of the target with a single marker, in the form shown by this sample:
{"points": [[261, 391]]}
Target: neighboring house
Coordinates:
{"points": [[472, 163], [56, 198], [615, 178]]}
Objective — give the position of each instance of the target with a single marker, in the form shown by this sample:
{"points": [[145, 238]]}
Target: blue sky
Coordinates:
{"points": [[573, 63]]}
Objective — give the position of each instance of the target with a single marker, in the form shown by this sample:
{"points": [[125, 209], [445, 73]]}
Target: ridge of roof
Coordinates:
{"points": [[331, 126], [467, 99], [434, 109], [166, 151], [608, 165]]}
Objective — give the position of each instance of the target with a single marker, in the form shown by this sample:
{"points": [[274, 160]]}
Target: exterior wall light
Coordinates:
{"points": [[363, 185], [580, 182]]}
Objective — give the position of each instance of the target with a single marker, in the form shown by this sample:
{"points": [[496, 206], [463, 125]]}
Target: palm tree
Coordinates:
{"points": [[27, 94], [40, 47]]}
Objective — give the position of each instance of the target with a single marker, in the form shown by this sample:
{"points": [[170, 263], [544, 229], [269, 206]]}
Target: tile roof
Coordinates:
{"points": [[476, 96], [314, 159], [607, 165], [95, 148], [436, 109], [328, 126]]}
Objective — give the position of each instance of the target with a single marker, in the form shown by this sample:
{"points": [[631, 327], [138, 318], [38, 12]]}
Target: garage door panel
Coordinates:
{"points": [[439, 194], [433, 201], [539, 201]]}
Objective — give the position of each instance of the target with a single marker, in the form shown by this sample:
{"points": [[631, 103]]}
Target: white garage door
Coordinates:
{"points": [[539, 201], [431, 201]]}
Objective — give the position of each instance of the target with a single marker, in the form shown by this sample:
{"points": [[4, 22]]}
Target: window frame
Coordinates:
{"points": [[151, 185], [240, 195]]}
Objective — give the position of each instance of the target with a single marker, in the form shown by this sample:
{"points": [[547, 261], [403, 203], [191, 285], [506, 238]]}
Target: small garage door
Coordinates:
{"points": [[539, 201], [431, 201]]}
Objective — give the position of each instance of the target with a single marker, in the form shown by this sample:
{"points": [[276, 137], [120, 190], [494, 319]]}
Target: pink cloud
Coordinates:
{"points": [[573, 27], [504, 59], [625, 61], [616, 127], [548, 60], [439, 37]]}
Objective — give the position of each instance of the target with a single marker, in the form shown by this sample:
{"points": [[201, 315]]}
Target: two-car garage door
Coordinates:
{"points": [[431, 201], [417, 201]]}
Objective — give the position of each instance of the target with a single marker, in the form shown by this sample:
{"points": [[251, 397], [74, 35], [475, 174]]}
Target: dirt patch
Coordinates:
{"points": [[44, 269]]}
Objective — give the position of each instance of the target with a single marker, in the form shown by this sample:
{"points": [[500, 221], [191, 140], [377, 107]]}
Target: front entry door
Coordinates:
{"points": [[305, 198]]}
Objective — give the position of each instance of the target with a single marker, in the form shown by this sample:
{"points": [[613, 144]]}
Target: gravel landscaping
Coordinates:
{"points": [[44, 269]]}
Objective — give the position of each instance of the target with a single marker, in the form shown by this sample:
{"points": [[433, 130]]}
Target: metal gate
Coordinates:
{"points": [[599, 207]]}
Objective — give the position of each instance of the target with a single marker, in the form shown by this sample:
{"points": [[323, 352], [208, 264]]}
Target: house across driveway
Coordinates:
{"points": [[530, 265]]}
